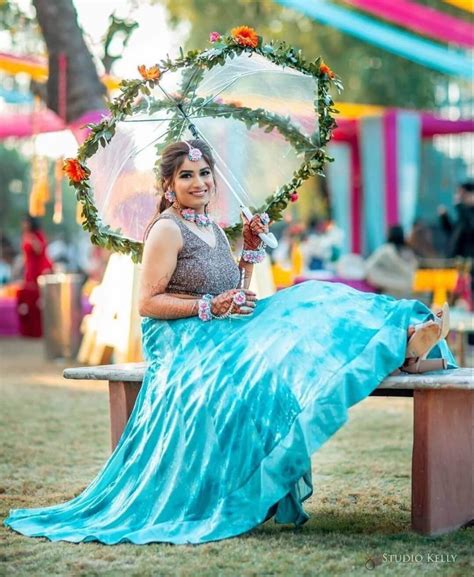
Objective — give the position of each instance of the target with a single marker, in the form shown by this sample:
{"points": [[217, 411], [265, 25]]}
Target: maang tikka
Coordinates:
{"points": [[194, 154]]}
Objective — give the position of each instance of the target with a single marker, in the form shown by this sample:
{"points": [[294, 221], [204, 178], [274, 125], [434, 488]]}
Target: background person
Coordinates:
{"points": [[460, 232], [35, 263], [392, 266], [33, 246]]}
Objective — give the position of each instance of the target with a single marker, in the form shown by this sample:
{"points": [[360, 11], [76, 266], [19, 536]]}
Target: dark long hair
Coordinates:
{"points": [[172, 158], [396, 237], [34, 223]]}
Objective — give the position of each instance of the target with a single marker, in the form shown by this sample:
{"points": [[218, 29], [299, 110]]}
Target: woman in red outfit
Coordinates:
{"points": [[33, 245], [36, 263]]}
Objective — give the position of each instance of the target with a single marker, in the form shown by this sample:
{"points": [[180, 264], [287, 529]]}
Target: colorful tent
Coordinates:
{"points": [[422, 19], [467, 5], [430, 54], [37, 69], [374, 181]]}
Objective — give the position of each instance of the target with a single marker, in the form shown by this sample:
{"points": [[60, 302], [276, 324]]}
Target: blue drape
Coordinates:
{"points": [[339, 180], [425, 52]]}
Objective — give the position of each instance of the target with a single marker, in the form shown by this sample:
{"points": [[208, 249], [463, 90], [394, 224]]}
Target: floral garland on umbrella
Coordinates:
{"points": [[240, 39]]}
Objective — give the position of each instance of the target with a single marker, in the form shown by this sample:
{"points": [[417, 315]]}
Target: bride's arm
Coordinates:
{"points": [[160, 256], [247, 266], [252, 242]]}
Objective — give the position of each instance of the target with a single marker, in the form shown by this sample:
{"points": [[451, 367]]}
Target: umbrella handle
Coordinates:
{"points": [[269, 239]]}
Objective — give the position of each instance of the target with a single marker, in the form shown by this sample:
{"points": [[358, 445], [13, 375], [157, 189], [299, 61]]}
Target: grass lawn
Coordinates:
{"points": [[55, 438]]}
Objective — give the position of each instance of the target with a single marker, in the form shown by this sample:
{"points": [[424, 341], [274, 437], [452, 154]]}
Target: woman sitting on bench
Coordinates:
{"points": [[238, 394]]}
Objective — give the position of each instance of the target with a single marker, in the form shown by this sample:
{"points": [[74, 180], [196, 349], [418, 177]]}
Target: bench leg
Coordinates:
{"points": [[442, 465], [122, 396]]}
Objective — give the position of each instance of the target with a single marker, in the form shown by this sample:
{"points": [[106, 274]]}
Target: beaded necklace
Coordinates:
{"points": [[200, 220]]}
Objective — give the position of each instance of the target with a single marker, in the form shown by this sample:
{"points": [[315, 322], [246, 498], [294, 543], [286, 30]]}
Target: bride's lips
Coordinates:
{"points": [[199, 193]]}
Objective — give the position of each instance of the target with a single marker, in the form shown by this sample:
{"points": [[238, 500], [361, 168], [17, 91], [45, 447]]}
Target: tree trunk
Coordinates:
{"points": [[82, 90]]}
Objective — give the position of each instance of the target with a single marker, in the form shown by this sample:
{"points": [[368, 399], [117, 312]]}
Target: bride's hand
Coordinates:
{"points": [[251, 231], [221, 303]]}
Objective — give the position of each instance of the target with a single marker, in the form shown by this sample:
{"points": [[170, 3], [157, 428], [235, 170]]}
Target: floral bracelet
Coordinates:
{"points": [[254, 256], [204, 308]]}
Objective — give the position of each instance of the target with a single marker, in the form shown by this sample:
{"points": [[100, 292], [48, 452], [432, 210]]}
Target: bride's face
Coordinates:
{"points": [[194, 184]]}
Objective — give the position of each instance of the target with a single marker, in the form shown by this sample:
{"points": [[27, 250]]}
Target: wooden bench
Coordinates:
{"points": [[443, 436]]}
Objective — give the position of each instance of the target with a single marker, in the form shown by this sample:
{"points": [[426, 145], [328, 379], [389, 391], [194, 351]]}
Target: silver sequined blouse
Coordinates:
{"points": [[201, 269]]}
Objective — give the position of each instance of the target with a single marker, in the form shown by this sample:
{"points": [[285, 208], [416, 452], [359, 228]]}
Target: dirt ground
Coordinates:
{"points": [[23, 361]]}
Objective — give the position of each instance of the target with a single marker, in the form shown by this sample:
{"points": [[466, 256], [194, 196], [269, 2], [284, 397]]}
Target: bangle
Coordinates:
{"points": [[204, 308], [254, 256]]}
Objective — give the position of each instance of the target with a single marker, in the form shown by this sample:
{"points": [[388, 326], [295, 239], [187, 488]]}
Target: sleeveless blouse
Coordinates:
{"points": [[200, 268]]}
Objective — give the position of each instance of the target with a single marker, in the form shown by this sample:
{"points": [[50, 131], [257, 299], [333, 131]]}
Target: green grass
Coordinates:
{"points": [[55, 438]]}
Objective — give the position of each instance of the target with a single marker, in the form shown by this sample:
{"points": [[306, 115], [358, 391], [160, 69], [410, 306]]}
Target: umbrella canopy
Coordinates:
{"points": [[259, 114]]}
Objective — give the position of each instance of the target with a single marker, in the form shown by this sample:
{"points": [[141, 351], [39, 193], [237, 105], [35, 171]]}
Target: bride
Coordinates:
{"points": [[238, 393]]}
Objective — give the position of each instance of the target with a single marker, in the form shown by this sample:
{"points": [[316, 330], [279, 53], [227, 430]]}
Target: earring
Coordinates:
{"points": [[170, 195]]}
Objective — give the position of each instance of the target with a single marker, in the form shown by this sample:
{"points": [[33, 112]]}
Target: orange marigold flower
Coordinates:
{"points": [[324, 69], [245, 36], [152, 73], [74, 170]]}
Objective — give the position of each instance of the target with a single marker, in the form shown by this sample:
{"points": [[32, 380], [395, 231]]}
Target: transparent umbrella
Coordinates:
{"points": [[259, 118]]}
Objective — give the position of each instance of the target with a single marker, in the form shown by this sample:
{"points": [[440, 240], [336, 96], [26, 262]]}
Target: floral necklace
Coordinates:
{"points": [[200, 220]]}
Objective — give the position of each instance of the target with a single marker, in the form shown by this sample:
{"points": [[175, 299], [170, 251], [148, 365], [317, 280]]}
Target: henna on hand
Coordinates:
{"points": [[222, 302], [251, 230]]}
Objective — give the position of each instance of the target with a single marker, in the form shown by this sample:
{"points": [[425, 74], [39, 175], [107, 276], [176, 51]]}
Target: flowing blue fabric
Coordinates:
{"points": [[229, 414]]}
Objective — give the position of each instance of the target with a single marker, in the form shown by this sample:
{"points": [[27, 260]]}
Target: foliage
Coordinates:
{"points": [[371, 75], [225, 47], [22, 31], [118, 27], [14, 174], [14, 19], [15, 184], [60, 33]]}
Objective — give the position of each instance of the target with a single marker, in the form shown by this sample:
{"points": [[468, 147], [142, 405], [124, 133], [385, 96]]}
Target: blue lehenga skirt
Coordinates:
{"points": [[229, 415]]}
